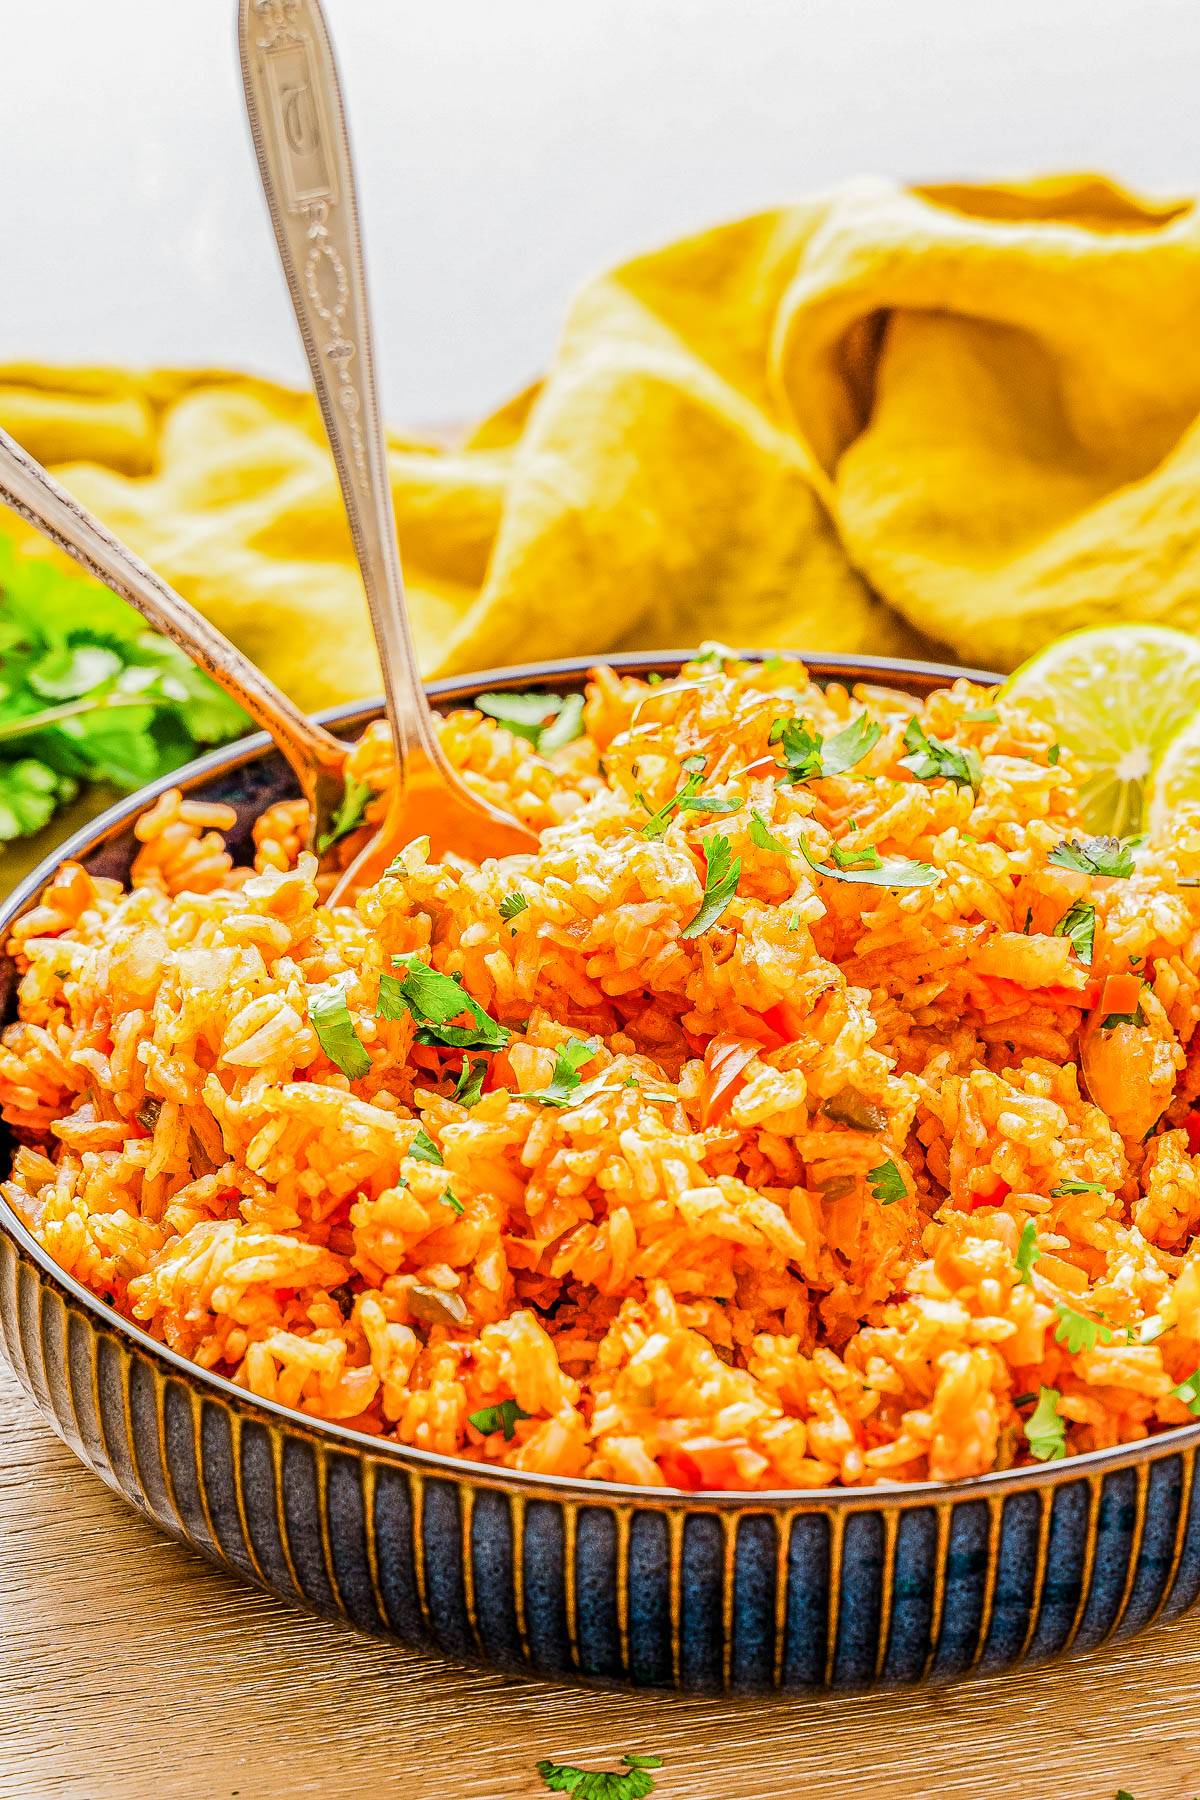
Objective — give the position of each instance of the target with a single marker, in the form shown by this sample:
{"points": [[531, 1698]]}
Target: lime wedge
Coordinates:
{"points": [[1116, 695], [1175, 777]]}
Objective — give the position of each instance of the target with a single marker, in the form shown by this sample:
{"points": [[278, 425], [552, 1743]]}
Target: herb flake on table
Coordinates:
{"points": [[330, 1019], [722, 872], [632, 1783]]}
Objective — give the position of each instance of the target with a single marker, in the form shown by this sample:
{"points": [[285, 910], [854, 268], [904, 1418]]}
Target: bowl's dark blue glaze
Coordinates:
{"points": [[579, 1581]]}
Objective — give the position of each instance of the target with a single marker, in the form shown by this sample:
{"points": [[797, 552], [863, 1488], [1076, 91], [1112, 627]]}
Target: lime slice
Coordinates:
{"points": [[1116, 695], [1176, 776]]}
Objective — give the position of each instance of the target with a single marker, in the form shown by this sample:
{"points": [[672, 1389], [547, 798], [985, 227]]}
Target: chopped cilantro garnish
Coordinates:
{"points": [[1093, 856], [566, 1088], [1045, 1431], [1053, 754], [512, 904], [887, 1183], [1077, 1331], [469, 1091], [982, 715], [866, 856], [807, 756], [1189, 1392], [892, 872], [1077, 1187], [721, 875], [597, 1784], [1136, 1017], [499, 1418], [1027, 1254], [687, 798], [929, 759], [760, 834], [544, 720], [424, 1148], [453, 1202], [330, 1019], [356, 797], [1079, 924], [433, 1000]]}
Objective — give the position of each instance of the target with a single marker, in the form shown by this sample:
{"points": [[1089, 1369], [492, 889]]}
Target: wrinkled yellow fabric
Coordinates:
{"points": [[886, 420]]}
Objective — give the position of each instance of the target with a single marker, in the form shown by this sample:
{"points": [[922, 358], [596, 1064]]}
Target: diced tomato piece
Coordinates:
{"points": [[726, 1061], [1192, 1126], [987, 1189], [680, 1470], [1122, 994], [500, 1073], [1011, 993], [784, 1021]]}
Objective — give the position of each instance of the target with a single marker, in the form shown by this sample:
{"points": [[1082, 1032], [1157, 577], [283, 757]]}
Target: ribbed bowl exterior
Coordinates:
{"points": [[839, 1591]]}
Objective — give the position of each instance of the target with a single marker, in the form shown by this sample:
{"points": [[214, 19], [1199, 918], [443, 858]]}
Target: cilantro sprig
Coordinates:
{"points": [[1045, 1430], [547, 721], [566, 1086], [872, 869], [762, 836], [722, 872], [887, 1183], [469, 1090], [330, 1018], [807, 756], [930, 759], [1079, 1332], [499, 1418], [434, 1000], [632, 1783], [689, 797], [356, 797], [1079, 924], [1027, 1254], [1093, 856]]}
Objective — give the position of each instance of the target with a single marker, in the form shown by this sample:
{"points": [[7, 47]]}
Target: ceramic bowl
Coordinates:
{"points": [[574, 1580]]}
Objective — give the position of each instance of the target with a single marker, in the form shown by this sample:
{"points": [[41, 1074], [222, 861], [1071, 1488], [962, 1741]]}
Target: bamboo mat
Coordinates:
{"points": [[131, 1670]]}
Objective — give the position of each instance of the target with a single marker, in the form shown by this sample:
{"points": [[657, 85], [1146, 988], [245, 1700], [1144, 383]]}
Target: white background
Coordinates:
{"points": [[507, 147]]}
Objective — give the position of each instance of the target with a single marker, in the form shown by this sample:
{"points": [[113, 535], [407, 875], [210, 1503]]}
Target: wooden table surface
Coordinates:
{"points": [[131, 1670]]}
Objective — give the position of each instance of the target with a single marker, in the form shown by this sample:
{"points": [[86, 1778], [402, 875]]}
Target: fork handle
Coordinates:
{"points": [[42, 503], [298, 123]]}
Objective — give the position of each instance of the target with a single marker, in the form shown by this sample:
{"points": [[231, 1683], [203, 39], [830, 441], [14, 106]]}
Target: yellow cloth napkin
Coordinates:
{"points": [[884, 419]]}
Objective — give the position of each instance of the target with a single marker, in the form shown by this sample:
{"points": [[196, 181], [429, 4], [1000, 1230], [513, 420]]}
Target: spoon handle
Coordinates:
{"points": [[39, 500], [298, 122]]}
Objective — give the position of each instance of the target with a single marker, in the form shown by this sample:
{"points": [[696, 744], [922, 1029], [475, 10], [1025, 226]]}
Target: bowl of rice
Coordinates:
{"points": [[747, 1244]]}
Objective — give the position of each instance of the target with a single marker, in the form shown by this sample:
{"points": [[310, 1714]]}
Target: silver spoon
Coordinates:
{"points": [[298, 123], [317, 758]]}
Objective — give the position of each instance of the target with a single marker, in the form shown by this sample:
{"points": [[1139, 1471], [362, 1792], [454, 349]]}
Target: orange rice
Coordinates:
{"points": [[841, 1174]]}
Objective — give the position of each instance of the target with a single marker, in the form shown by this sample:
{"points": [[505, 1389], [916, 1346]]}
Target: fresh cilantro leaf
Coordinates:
{"points": [[1053, 754], [469, 1091], [893, 871], [499, 1418], [1077, 1331], [424, 1149], [349, 816], [721, 877], [887, 1183], [595, 1784], [930, 759], [709, 803], [453, 1202], [544, 720], [30, 794], [1045, 1431], [982, 715], [563, 729], [865, 856], [1136, 1017], [512, 904], [658, 821], [1027, 1254], [330, 1019], [1093, 856], [761, 834], [807, 756], [69, 670], [566, 1088], [1077, 1187], [1079, 924], [1189, 1392], [433, 1000]]}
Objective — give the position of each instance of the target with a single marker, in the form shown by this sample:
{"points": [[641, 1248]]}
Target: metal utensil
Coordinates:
{"points": [[317, 758], [298, 123]]}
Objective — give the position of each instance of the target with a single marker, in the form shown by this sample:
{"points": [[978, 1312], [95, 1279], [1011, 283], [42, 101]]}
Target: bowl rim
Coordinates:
{"points": [[1087, 1466]]}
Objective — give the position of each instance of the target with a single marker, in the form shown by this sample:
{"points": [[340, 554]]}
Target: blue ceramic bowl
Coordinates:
{"points": [[575, 1580]]}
